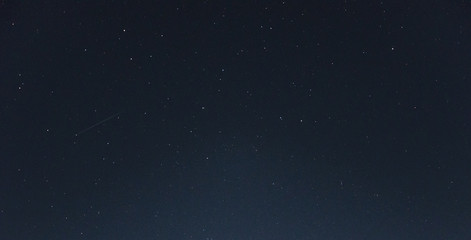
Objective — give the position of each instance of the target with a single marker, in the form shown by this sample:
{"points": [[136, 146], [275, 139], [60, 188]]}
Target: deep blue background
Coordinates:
{"points": [[235, 120]]}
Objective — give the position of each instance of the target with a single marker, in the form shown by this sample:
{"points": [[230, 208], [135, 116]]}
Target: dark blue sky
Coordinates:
{"points": [[235, 120]]}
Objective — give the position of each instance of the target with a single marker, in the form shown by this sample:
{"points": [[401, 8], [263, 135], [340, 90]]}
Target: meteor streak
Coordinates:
{"points": [[96, 124]]}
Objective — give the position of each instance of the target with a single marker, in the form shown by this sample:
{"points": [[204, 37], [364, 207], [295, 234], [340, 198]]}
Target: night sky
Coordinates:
{"points": [[228, 120]]}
